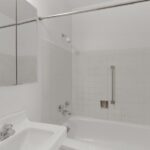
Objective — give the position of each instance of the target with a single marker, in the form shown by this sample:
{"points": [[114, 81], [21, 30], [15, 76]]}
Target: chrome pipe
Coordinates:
{"points": [[27, 21], [19, 23], [103, 7], [6, 26]]}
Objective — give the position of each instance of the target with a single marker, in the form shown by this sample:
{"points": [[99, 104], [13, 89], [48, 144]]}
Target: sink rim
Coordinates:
{"points": [[22, 123], [24, 133]]}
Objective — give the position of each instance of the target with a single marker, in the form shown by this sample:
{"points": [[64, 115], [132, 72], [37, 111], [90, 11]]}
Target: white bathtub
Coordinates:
{"points": [[93, 134]]}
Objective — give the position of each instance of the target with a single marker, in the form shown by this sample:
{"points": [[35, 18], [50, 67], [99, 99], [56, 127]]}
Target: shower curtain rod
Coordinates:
{"points": [[19, 23], [106, 6], [75, 12]]}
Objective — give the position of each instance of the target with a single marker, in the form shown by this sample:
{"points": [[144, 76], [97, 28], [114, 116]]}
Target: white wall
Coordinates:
{"points": [[75, 4], [117, 37], [56, 59], [56, 80], [48, 7], [22, 97]]}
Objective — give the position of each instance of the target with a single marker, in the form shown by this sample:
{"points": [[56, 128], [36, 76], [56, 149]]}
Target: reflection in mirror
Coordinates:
{"points": [[27, 43], [7, 56], [25, 11], [7, 12], [27, 53], [7, 42]]}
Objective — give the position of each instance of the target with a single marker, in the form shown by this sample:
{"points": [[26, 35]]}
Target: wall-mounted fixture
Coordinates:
{"points": [[104, 104], [113, 84], [18, 38], [64, 109], [66, 38]]}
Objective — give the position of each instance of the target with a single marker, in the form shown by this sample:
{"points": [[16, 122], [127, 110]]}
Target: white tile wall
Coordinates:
{"points": [[92, 83], [117, 37]]}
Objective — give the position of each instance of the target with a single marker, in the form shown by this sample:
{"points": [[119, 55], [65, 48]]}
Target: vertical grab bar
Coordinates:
{"points": [[113, 84]]}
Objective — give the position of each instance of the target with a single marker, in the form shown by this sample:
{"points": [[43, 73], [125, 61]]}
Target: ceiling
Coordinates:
{"points": [[82, 3]]}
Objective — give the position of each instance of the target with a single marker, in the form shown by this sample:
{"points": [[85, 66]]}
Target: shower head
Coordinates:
{"points": [[66, 38]]}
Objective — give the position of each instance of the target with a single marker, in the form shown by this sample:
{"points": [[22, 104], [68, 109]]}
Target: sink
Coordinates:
{"points": [[29, 139], [32, 136]]}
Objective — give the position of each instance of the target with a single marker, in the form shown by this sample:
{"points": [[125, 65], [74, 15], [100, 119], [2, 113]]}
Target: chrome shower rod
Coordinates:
{"points": [[6, 26], [103, 7], [79, 11], [20, 23]]}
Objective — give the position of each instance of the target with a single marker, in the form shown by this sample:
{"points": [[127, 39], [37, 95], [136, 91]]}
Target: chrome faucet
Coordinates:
{"points": [[64, 109], [6, 131], [66, 112]]}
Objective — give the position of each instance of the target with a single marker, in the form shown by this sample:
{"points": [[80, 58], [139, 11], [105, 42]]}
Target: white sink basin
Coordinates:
{"points": [[30, 139], [33, 136]]}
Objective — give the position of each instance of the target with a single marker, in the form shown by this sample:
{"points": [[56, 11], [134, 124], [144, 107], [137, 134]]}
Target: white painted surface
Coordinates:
{"points": [[94, 134], [7, 12], [22, 97], [47, 7], [75, 4]]}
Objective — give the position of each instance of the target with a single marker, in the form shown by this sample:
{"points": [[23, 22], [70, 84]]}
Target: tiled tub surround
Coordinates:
{"points": [[94, 134], [92, 83]]}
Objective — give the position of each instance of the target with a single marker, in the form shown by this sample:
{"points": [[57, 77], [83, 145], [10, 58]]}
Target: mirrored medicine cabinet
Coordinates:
{"points": [[18, 42]]}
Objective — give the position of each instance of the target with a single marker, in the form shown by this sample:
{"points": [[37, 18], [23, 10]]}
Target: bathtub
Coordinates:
{"points": [[94, 134]]}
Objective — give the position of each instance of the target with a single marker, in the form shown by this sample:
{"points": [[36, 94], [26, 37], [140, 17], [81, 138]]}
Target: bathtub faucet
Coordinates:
{"points": [[64, 109], [66, 112]]}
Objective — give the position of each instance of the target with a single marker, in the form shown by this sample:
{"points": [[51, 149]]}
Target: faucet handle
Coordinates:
{"points": [[60, 108], [7, 126], [67, 103]]}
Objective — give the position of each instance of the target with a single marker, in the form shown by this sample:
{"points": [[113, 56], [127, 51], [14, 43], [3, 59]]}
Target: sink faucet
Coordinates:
{"points": [[6, 131]]}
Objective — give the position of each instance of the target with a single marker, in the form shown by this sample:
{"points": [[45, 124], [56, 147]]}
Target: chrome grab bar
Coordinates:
{"points": [[113, 84]]}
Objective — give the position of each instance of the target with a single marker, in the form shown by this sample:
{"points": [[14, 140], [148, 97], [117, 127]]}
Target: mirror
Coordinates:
{"points": [[7, 42], [18, 42], [7, 12], [27, 43]]}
